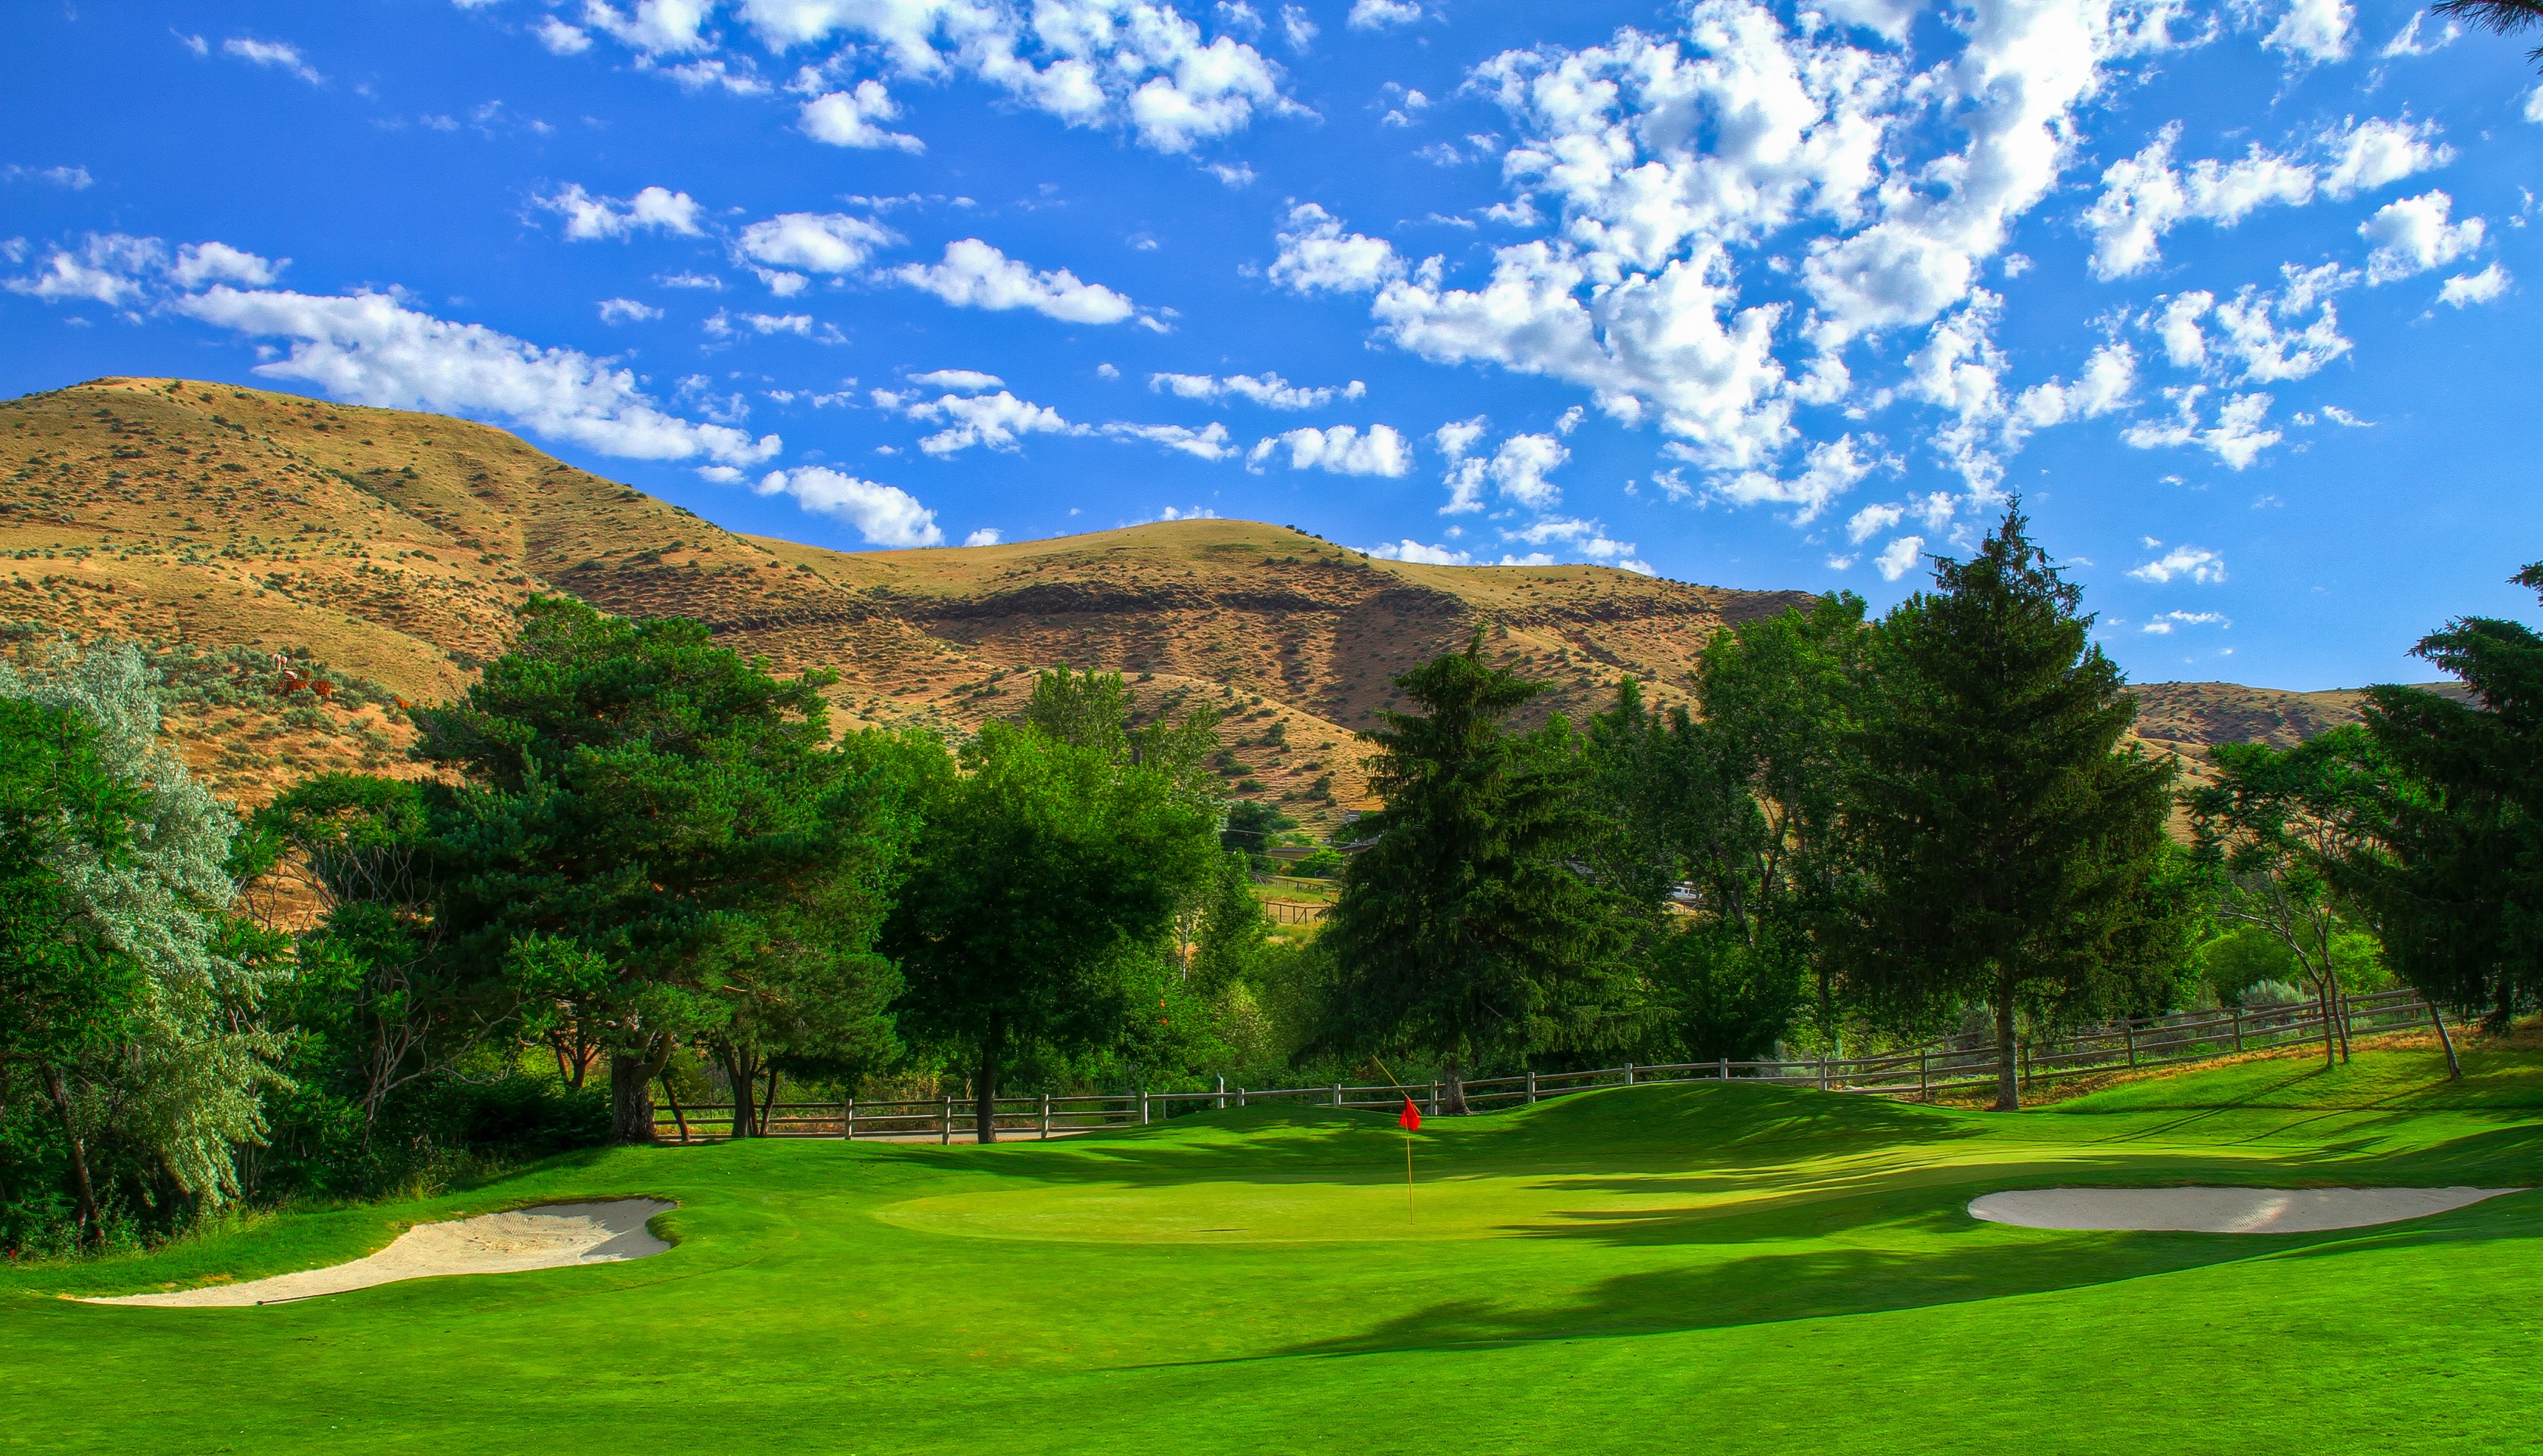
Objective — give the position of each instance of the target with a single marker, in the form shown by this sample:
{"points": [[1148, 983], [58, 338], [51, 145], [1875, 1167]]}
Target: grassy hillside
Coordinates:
{"points": [[392, 546], [1735, 1268]]}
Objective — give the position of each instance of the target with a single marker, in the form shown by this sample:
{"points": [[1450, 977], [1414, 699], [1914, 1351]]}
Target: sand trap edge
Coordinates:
{"points": [[2212, 1210], [512, 1241]]}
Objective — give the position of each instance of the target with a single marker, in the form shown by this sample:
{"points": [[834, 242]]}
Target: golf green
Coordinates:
{"points": [[1709, 1267]]}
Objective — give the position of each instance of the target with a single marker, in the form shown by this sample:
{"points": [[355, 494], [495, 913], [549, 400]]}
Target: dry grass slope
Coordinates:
{"points": [[392, 546]]}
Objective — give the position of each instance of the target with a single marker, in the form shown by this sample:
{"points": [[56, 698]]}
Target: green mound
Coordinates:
{"points": [[1750, 1268]]}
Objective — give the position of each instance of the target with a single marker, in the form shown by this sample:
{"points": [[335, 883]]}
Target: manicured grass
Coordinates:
{"points": [[1659, 1268]]}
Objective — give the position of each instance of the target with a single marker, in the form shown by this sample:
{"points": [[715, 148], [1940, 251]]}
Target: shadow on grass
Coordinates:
{"points": [[1822, 1282]]}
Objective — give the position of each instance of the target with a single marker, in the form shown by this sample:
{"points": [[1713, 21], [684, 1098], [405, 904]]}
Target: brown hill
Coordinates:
{"points": [[391, 546]]}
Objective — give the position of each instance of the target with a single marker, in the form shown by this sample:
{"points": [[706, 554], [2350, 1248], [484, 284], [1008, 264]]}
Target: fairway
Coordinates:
{"points": [[1700, 1267]]}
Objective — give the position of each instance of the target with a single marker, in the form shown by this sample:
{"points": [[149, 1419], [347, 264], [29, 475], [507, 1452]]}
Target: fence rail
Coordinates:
{"points": [[1922, 1073]]}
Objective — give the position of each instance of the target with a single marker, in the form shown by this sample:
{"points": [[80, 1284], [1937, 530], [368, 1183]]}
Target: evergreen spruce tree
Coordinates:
{"points": [[2014, 853], [1465, 932]]}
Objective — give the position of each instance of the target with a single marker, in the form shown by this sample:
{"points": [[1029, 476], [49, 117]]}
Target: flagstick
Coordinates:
{"points": [[1408, 1178]]}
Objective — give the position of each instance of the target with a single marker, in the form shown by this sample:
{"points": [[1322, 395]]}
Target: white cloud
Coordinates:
{"points": [[1209, 443], [627, 311], [1899, 556], [1870, 521], [654, 27], [848, 118], [2412, 236], [588, 218], [958, 381], [707, 281], [2237, 439], [107, 268], [1295, 28], [1088, 62], [274, 53], [998, 420], [986, 536], [2313, 30], [2195, 564], [974, 274], [560, 39], [816, 242], [2480, 288], [1413, 551], [2164, 624], [1828, 470], [199, 264], [2145, 197], [74, 178], [2109, 378], [2256, 334], [2376, 152], [885, 515], [370, 349], [1315, 253], [1582, 539], [2533, 110], [1519, 468], [1270, 391], [1341, 450], [1377, 15], [2409, 44]]}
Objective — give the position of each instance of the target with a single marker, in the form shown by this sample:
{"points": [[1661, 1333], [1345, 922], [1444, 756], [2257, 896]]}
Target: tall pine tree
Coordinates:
{"points": [[1465, 932], [2014, 851]]}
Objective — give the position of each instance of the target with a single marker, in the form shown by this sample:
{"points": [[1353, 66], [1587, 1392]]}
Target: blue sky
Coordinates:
{"points": [[2238, 298]]}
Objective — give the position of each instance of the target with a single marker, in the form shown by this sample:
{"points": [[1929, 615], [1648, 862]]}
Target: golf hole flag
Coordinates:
{"points": [[1411, 1118]]}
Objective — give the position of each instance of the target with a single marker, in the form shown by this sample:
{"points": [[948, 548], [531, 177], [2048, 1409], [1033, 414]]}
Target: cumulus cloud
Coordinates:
{"points": [[2412, 237], [1315, 254], [627, 311], [1870, 521], [1209, 443], [2109, 379], [885, 515], [1343, 451], [1270, 391], [958, 381], [974, 274], [2184, 562], [277, 54], [74, 178], [986, 536], [2256, 336], [1582, 539], [1131, 64], [1828, 470], [2169, 621], [107, 268], [998, 420], [1413, 551], [589, 218], [850, 119], [199, 264], [371, 349], [1377, 15], [560, 39], [2409, 43], [830, 243], [2470, 288], [2313, 30], [1899, 556], [2237, 439]]}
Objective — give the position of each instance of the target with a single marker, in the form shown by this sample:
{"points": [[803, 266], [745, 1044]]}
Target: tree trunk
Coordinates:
{"points": [[984, 1098], [1454, 1104], [2008, 1077], [2454, 1068], [90, 1225], [742, 1077], [631, 1071], [768, 1108], [2321, 999]]}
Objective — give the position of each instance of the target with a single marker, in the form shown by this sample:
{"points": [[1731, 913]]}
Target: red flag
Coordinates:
{"points": [[1411, 1118]]}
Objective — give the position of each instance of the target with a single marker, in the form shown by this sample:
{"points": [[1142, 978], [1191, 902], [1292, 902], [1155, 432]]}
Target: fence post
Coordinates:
{"points": [[1338, 1094], [1222, 1094], [1722, 1070], [1240, 1097], [1629, 1074], [2129, 1028], [1531, 1084], [944, 1121], [2238, 1028], [1823, 1074], [1433, 1109], [1045, 1117], [1144, 1106], [849, 1132]]}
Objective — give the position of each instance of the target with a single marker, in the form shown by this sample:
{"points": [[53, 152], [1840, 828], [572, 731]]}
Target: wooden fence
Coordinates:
{"points": [[1954, 1064]]}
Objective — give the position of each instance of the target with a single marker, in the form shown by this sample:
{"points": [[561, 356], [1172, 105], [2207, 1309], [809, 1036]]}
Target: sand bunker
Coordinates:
{"points": [[2221, 1210], [548, 1237]]}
